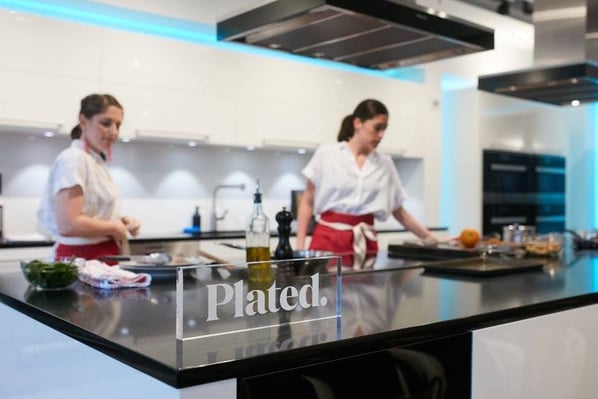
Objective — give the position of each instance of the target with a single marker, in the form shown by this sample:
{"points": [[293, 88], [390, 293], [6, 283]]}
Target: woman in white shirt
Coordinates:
{"points": [[349, 184], [80, 206]]}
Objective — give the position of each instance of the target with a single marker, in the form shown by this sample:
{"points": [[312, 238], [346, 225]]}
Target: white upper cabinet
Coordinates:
{"points": [[46, 67], [175, 89]]}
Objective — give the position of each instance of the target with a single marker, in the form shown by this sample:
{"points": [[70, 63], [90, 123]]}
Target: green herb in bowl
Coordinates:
{"points": [[50, 275]]}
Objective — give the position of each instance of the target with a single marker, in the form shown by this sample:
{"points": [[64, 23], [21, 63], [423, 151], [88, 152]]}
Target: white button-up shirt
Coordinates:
{"points": [[76, 167], [341, 186]]}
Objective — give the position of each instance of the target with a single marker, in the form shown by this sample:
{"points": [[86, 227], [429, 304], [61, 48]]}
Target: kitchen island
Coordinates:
{"points": [[451, 325]]}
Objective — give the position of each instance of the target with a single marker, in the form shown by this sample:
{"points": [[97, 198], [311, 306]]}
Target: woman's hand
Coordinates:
{"points": [[430, 241], [132, 225]]}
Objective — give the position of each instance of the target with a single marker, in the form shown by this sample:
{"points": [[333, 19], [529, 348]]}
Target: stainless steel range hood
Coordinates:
{"points": [[376, 34], [565, 55]]}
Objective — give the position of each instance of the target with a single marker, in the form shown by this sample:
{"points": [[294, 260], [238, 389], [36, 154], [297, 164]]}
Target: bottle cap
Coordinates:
{"points": [[257, 197]]}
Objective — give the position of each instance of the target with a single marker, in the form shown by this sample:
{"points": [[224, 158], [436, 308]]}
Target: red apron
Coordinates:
{"points": [[88, 251], [341, 240]]}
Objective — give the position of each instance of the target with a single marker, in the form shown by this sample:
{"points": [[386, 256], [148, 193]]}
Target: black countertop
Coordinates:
{"points": [[395, 304], [169, 236]]}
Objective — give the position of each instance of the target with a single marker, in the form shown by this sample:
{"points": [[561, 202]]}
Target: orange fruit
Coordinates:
{"points": [[469, 237]]}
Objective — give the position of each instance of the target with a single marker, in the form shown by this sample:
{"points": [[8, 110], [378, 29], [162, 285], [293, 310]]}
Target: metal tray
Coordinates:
{"points": [[433, 253], [157, 272], [484, 267]]}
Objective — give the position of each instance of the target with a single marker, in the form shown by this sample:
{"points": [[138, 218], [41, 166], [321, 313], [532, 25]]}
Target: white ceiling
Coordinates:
{"points": [[203, 11], [210, 11]]}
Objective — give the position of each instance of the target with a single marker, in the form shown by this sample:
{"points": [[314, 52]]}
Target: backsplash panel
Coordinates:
{"points": [[161, 184]]}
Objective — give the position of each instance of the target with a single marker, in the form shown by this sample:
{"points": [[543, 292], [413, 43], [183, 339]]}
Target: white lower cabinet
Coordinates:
{"points": [[552, 356], [38, 361]]}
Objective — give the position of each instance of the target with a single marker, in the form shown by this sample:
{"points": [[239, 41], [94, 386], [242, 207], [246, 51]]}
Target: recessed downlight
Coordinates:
{"points": [[575, 103]]}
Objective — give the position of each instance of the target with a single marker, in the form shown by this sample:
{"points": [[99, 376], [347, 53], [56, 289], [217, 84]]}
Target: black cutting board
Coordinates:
{"points": [[429, 253], [486, 267]]}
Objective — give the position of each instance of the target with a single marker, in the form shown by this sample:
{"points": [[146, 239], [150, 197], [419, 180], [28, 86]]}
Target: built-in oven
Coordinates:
{"points": [[520, 188], [510, 172], [497, 215], [549, 174]]}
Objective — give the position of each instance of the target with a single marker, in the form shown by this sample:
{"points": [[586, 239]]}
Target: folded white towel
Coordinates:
{"points": [[100, 275]]}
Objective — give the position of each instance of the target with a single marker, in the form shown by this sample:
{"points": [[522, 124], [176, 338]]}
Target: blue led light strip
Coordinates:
{"points": [[113, 17], [594, 208], [141, 22]]}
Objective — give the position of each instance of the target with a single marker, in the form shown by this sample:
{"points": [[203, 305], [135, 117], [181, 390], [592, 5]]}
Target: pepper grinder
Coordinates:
{"points": [[283, 249]]}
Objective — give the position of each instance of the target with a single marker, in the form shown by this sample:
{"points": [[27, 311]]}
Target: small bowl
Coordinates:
{"points": [[549, 245], [50, 275]]}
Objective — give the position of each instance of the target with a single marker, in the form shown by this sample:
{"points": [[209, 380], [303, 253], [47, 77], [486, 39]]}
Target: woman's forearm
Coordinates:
{"points": [[71, 221], [304, 215], [411, 223]]}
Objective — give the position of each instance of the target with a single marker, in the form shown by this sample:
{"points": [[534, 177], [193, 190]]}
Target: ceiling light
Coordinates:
{"points": [[29, 126], [575, 103], [48, 133], [168, 136], [290, 145]]}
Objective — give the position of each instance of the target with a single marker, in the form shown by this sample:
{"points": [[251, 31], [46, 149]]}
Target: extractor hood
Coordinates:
{"points": [[376, 34], [565, 55]]}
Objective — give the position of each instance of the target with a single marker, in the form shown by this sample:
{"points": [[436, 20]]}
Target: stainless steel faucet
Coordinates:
{"points": [[214, 218]]}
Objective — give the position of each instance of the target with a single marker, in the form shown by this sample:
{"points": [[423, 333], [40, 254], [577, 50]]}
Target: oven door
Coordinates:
{"points": [[498, 215], [549, 174], [507, 172]]}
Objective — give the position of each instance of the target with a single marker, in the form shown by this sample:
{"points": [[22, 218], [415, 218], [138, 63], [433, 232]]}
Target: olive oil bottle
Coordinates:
{"points": [[257, 242]]}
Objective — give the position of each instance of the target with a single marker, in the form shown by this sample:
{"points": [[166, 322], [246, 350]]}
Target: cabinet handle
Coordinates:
{"points": [[503, 167], [552, 170], [548, 219], [508, 220]]}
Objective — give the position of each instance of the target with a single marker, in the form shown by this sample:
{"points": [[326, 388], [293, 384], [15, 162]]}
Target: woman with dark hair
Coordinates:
{"points": [[76, 132], [80, 207], [349, 184]]}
